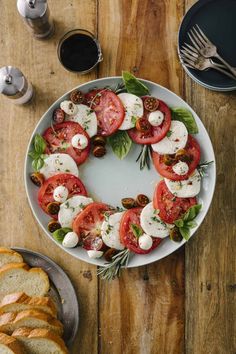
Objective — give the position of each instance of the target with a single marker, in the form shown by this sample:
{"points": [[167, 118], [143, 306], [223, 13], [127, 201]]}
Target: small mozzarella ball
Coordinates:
{"points": [[145, 242], [79, 141], [70, 240], [94, 254], [156, 118], [69, 107], [181, 168], [60, 194]]}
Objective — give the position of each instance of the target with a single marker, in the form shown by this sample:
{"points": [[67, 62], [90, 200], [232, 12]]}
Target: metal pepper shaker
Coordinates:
{"points": [[14, 85], [36, 16]]}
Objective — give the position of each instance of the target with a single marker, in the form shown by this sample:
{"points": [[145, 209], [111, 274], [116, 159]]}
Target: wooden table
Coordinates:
{"points": [[184, 303]]}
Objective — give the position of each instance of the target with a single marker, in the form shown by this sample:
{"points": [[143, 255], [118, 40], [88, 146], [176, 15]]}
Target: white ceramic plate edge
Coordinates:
{"points": [[143, 259]]}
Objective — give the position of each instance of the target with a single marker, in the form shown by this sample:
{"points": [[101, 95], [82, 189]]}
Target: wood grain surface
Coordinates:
{"points": [[184, 303]]}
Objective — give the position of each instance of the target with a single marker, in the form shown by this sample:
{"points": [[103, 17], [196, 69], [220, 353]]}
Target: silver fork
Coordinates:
{"points": [[206, 48], [192, 59]]}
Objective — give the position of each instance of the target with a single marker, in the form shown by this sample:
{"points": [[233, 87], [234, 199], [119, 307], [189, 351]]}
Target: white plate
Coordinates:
{"points": [[110, 179]]}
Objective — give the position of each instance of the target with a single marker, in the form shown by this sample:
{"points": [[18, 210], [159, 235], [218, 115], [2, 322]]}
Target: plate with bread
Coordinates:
{"points": [[39, 310]]}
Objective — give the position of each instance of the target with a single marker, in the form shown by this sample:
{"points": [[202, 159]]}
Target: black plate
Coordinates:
{"points": [[217, 19], [61, 290]]}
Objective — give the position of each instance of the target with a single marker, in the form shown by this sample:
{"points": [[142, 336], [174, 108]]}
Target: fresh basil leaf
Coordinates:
{"points": [[120, 143], [39, 144], [37, 163], [185, 232], [186, 117], [179, 223], [133, 85], [191, 224], [137, 230], [33, 154], [59, 234], [192, 212]]}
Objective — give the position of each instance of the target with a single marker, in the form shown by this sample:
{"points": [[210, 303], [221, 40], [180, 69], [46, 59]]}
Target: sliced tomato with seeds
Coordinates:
{"points": [[127, 237], [87, 225], [109, 110], [45, 194], [155, 133], [192, 158], [58, 139], [171, 208]]}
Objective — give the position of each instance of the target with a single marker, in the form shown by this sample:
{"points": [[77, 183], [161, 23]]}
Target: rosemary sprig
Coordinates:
{"points": [[202, 167], [144, 157], [120, 87], [112, 270]]}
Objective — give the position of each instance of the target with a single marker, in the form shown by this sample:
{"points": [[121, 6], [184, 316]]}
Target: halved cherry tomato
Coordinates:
{"points": [[170, 207], [109, 110], [88, 224], [192, 149], [72, 183], [155, 134], [59, 137], [127, 237], [143, 125]]}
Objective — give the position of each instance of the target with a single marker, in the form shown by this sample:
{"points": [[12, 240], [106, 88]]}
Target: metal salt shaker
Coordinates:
{"points": [[36, 15], [14, 85]]}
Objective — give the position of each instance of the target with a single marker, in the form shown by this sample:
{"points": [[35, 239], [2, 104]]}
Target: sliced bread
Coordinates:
{"points": [[17, 302], [20, 277], [9, 256], [10, 345], [40, 341], [11, 321]]}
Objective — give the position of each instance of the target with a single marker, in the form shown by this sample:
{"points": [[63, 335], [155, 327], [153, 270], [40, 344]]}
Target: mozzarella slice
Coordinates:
{"points": [[151, 222], [133, 106], [110, 231], [71, 208], [187, 188], [175, 139], [59, 163], [86, 118]]}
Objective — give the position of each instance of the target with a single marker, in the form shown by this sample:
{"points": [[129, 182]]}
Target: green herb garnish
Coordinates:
{"points": [[120, 143], [137, 230], [112, 270], [59, 234], [144, 157], [202, 167], [168, 134], [133, 85], [185, 116], [37, 154], [186, 222]]}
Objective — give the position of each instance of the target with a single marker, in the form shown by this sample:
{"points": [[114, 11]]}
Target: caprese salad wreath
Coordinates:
{"points": [[119, 117]]}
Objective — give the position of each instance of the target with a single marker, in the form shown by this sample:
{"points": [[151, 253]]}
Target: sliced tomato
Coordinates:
{"points": [[127, 237], [71, 182], [171, 207], [58, 139], [155, 134], [193, 152], [88, 224], [108, 108]]}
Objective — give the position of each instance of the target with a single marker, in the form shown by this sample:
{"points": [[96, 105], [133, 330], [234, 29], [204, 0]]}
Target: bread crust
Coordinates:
{"points": [[21, 298], [40, 333], [23, 266], [11, 343], [18, 319]]}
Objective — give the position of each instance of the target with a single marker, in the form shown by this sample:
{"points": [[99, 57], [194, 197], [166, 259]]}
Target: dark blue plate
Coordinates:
{"points": [[217, 19]]}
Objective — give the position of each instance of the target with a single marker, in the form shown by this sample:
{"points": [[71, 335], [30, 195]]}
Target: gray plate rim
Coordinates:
{"points": [[69, 286], [210, 87]]}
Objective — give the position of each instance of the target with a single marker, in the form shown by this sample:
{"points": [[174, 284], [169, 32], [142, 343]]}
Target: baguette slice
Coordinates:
{"points": [[9, 256], [40, 341], [11, 321], [17, 302], [10, 345], [15, 277]]}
